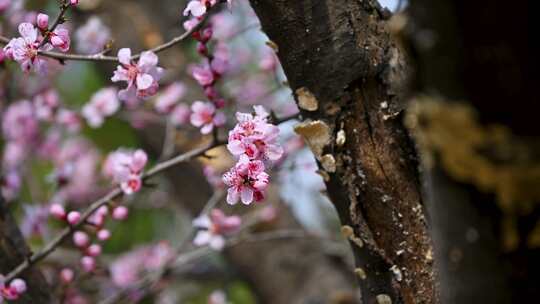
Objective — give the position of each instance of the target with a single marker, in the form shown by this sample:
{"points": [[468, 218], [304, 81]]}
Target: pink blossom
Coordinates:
{"points": [[67, 275], [103, 234], [94, 250], [57, 211], [60, 39], [12, 291], [19, 122], [46, 104], [42, 21], [88, 263], [217, 297], [203, 74], [198, 8], [206, 117], [4, 4], [180, 115], [125, 167], [213, 177], [34, 222], [10, 185], [92, 37], [24, 49], [247, 181], [81, 239], [68, 119], [166, 101], [191, 24], [214, 228], [104, 103], [120, 213], [75, 169], [73, 217], [142, 77], [254, 137], [128, 269], [14, 154]]}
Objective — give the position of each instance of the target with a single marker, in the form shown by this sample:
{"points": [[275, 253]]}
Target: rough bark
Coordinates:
{"points": [[483, 55], [346, 74], [13, 250]]}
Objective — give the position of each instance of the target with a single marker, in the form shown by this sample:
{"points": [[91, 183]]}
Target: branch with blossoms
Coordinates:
{"points": [[253, 141]]}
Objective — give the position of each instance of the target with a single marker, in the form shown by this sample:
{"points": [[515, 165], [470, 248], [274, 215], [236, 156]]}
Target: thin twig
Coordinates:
{"points": [[113, 194], [182, 259], [59, 19], [101, 57]]}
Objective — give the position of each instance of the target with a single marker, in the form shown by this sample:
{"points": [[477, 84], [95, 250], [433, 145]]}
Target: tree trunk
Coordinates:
{"points": [[476, 75], [347, 76], [13, 250]]}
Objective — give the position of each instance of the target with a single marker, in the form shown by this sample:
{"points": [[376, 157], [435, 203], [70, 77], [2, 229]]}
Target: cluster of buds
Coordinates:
{"points": [[13, 290]]}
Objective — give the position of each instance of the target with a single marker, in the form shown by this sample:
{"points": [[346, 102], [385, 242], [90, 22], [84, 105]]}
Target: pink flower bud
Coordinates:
{"points": [[73, 217], [74, 2], [202, 49], [120, 213], [18, 285], [103, 235], [57, 211], [88, 263], [103, 210], [94, 250], [43, 21], [67, 275], [80, 239], [207, 34]]}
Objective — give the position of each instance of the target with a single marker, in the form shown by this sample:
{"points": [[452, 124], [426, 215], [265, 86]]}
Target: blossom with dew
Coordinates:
{"points": [[141, 77], [214, 227]]}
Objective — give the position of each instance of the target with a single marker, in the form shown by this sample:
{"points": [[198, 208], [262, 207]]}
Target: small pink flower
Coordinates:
{"points": [[180, 115], [69, 120], [142, 77], [254, 137], [93, 250], [57, 211], [104, 103], [206, 117], [12, 292], [73, 217], [120, 213], [60, 39], [67, 275], [81, 239], [103, 234], [42, 21], [88, 263], [125, 167], [203, 74], [167, 100], [24, 49], [19, 122], [198, 8], [46, 104], [214, 228], [92, 37], [10, 185], [247, 181], [217, 297]]}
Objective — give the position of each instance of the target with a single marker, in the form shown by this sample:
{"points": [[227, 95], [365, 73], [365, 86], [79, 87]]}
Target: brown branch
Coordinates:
{"points": [[103, 58], [111, 195]]}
